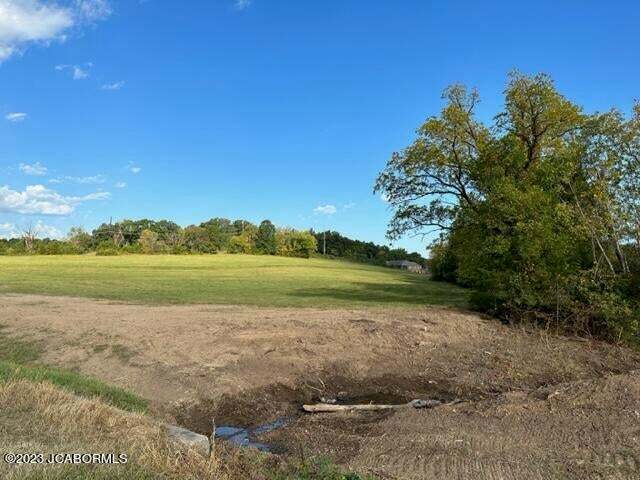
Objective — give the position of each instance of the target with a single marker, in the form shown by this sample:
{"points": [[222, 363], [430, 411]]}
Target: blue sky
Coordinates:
{"points": [[257, 109]]}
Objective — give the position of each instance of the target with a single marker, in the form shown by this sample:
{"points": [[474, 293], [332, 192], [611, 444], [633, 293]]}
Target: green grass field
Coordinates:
{"points": [[225, 279]]}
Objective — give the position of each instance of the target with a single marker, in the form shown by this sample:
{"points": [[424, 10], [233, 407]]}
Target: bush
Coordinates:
{"points": [[150, 242], [443, 262], [132, 248], [292, 243], [240, 244], [107, 249]]}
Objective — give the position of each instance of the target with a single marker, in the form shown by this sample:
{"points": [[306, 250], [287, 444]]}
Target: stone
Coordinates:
{"points": [[194, 440]]}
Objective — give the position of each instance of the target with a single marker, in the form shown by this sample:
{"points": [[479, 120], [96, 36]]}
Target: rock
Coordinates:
{"points": [[190, 439], [424, 403]]}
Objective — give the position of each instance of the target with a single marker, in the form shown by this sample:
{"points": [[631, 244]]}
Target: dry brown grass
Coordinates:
{"points": [[43, 418]]}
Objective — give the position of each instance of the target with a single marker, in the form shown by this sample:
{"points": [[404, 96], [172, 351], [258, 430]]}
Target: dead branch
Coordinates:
{"points": [[332, 408]]}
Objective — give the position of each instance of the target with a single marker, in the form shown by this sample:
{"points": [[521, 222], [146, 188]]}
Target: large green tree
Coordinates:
{"points": [[537, 211], [266, 238]]}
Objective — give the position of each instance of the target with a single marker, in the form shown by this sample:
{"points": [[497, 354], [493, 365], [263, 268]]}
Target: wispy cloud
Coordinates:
{"points": [[40, 229], [93, 10], [120, 184], [133, 168], [9, 230], [36, 169], [16, 117], [113, 86], [348, 206], [47, 231], [242, 4], [78, 72], [93, 179], [325, 210], [39, 200], [27, 22]]}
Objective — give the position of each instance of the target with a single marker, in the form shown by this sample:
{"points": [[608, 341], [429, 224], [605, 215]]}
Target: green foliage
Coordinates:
{"points": [[292, 243], [337, 245], [107, 249], [443, 262], [150, 242], [81, 240], [196, 240], [219, 231], [241, 244], [266, 238], [213, 236], [537, 212]]}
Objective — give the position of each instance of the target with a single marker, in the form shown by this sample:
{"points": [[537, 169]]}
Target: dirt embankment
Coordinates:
{"points": [[535, 405]]}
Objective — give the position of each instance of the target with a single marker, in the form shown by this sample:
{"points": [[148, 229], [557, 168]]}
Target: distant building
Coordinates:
{"points": [[407, 265]]}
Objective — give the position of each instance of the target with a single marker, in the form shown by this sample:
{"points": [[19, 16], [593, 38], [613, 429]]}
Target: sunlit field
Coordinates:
{"points": [[224, 279]]}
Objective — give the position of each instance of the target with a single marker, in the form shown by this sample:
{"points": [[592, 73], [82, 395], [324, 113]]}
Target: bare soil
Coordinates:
{"points": [[534, 405]]}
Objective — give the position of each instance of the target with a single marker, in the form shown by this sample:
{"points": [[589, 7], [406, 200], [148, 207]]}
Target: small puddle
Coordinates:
{"points": [[245, 437]]}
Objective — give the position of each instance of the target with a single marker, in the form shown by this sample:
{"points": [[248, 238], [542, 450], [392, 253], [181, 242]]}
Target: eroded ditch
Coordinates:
{"points": [[271, 418]]}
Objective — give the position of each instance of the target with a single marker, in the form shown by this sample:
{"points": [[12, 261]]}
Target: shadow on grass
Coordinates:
{"points": [[418, 291]]}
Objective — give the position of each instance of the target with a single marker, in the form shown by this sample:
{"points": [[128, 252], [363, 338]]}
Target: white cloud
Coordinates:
{"points": [[36, 169], [46, 231], [133, 168], [120, 184], [16, 116], [242, 4], [325, 210], [80, 180], [39, 200], [113, 86], [8, 230], [27, 22], [93, 10], [348, 206], [78, 72]]}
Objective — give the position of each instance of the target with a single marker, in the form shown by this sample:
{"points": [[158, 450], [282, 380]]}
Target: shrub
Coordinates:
{"points": [[443, 262], [240, 244], [107, 249], [150, 242], [293, 243]]}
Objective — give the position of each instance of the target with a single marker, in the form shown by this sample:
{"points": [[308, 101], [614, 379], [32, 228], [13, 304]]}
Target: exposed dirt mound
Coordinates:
{"points": [[245, 366]]}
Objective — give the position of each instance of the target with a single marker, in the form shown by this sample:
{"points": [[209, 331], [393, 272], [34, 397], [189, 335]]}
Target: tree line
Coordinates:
{"points": [[336, 245], [538, 210], [213, 236], [164, 236]]}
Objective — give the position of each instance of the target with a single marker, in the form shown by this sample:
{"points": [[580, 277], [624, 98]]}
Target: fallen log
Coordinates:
{"points": [[331, 407]]}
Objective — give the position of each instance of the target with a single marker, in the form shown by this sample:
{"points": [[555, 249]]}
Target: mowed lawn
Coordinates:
{"points": [[224, 279]]}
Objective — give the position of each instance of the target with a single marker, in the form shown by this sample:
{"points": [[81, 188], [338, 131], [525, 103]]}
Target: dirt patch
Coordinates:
{"points": [[256, 406], [246, 366]]}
